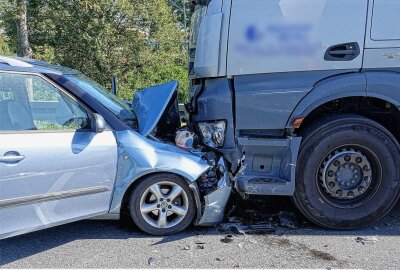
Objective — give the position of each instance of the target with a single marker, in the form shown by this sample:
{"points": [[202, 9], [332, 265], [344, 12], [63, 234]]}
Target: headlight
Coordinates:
{"points": [[213, 133]]}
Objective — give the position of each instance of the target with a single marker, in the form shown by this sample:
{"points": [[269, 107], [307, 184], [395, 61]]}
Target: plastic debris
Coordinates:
{"points": [[151, 261], [259, 228], [367, 239], [287, 220]]}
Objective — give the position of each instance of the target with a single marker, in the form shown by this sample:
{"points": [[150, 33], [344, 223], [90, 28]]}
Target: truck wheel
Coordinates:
{"points": [[162, 204], [347, 173]]}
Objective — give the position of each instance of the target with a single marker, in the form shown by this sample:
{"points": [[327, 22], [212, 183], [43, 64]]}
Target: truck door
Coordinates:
{"points": [[53, 167], [278, 50]]}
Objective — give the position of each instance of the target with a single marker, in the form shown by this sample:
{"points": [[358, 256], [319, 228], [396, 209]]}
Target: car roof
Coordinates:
{"points": [[22, 64]]}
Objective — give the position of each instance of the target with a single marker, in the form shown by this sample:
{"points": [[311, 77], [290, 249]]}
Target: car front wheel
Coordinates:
{"points": [[162, 204]]}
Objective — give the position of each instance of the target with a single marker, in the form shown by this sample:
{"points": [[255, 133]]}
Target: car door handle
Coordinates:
{"points": [[11, 157], [342, 52]]}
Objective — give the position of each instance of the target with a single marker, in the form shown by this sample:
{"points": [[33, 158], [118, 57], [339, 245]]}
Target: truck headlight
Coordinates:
{"points": [[213, 133]]}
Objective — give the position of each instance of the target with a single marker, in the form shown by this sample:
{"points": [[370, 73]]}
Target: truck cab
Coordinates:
{"points": [[306, 94]]}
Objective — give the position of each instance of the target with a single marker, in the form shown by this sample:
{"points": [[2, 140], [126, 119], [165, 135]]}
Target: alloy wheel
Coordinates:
{"points": [[164, 204]]}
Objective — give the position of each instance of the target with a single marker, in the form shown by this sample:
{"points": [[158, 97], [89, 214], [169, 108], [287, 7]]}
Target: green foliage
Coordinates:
{"points": [[4, 48], [138, 41], [47, 125]]}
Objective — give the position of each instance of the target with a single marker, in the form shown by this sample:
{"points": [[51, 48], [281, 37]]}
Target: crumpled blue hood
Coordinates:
{"points": [[149, 105]]}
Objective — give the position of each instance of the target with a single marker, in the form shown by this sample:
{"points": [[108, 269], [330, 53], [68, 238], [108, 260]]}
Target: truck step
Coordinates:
{"points": [[264, 186]]}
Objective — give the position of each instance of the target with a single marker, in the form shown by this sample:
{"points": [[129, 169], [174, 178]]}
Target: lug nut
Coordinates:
{"points": [[331, 184], [169, 206], [358, 160], [163, 210], [161, 199], [350, 193], [330, 173], [168, 200], [361, 188], [339, 192], [347, 158], [336, 163], [158, 205]]}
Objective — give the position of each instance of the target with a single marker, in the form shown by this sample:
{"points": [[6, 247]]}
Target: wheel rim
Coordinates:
{"points": [[164, 205], [349, 175]]}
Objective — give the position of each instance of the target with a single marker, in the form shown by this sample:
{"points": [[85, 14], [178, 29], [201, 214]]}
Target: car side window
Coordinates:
{"points": [[29, 102]]}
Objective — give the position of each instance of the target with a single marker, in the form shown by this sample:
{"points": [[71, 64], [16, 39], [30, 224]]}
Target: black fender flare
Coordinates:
{"points": [[335, 87]]}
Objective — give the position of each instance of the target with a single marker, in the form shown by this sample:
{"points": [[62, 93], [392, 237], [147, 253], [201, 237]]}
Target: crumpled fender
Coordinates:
{"points": [[139, 156]]}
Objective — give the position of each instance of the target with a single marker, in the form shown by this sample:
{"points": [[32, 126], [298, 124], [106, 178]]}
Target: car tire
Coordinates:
{"points": [[170, 200], [347, 174]]}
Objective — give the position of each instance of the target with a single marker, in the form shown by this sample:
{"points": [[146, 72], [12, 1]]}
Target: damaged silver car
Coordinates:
{"points": [[71, 150]]}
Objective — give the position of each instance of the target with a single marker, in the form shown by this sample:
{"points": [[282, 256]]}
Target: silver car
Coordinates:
{"points": [[71, 150]]}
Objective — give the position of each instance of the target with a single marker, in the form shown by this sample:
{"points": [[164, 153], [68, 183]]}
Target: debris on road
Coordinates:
{"points": [[286, 219], [259, 228], [228, 238], [235, 228], [367, 239], [151, 261], [238, 228], [200, 246], [255, 216], [186, 248]]}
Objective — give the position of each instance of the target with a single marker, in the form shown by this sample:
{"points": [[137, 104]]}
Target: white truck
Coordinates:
{"points": [[309, 90]]}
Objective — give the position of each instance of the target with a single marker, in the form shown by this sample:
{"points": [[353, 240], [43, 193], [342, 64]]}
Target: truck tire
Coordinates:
{"points": [[162, 204], [347, 173]]}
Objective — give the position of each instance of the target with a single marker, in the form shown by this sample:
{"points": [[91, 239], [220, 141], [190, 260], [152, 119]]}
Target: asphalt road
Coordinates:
{"points": [[114, 244]]}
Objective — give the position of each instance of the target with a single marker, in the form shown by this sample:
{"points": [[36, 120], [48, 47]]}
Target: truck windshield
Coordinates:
{"points": [[113, 103], [197, 16]]}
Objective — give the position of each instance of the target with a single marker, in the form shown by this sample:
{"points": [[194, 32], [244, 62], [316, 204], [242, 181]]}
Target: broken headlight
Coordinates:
{"points": [[213, 133]]}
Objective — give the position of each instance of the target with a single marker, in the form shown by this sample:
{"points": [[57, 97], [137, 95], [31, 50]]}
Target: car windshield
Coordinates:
{"points": [[113, 103]]}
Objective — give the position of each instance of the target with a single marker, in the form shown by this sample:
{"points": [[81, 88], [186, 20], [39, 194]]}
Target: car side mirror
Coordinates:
{"points": [[99, 124]]}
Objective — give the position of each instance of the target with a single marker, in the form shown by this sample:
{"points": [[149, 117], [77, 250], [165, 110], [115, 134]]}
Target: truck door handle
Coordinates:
{"points": [[11, 157], [342, 52]]}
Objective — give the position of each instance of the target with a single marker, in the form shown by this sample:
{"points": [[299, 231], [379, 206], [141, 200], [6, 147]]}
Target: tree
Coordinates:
{"points": [[24, 49], [138, 41], [183, 11]]}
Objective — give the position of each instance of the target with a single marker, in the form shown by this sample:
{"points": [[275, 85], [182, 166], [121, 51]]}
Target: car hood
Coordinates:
{"points": [[150, 104]]}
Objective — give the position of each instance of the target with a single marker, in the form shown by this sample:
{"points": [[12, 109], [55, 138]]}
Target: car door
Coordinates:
{"points": [[54, 168]]}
